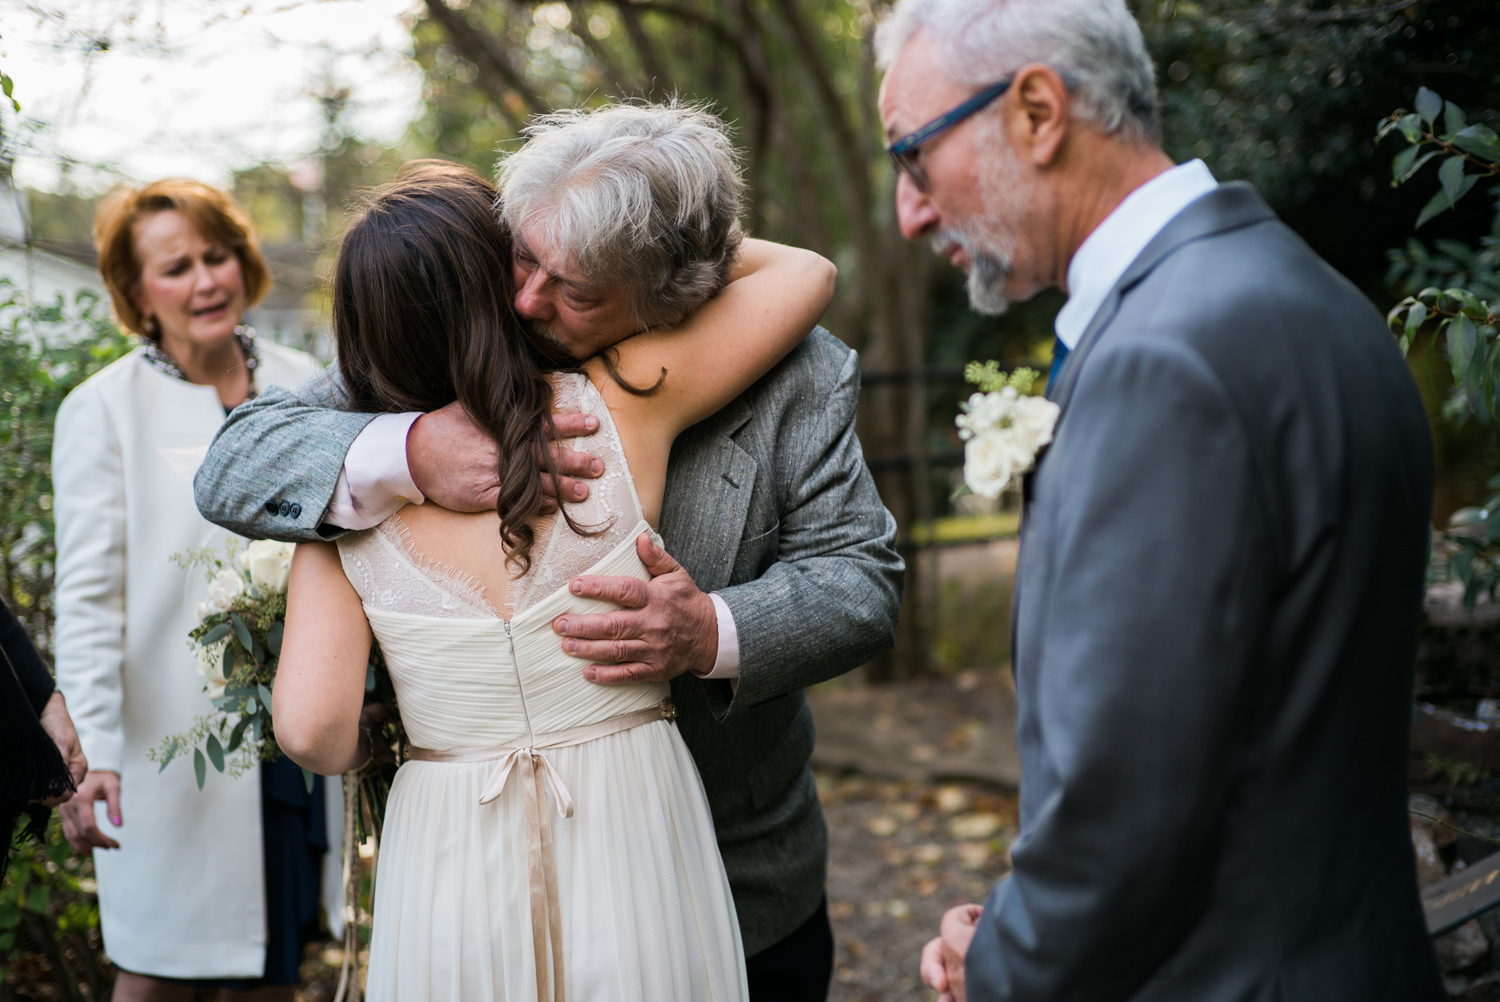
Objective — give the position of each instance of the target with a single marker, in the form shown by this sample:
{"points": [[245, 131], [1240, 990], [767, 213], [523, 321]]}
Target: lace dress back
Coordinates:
{"points": [[391, 574]]}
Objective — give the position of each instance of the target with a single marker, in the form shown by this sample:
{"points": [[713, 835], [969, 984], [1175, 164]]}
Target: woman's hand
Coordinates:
{"points": [[59, 727], [79, 825]]}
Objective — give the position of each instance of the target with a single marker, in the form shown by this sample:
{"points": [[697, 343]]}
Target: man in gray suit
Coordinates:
{"points": [[1222, 550], [785, 572]]}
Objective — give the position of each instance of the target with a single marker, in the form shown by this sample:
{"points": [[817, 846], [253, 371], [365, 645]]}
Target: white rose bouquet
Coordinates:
{"points": [[1002, 426], [237, 643]]}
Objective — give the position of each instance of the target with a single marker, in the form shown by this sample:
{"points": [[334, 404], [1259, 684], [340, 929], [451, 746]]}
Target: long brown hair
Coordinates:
{"points": [[423, 316]]}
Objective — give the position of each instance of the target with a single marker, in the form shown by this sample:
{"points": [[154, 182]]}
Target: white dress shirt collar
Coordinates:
{"points": [[1119, 240]]}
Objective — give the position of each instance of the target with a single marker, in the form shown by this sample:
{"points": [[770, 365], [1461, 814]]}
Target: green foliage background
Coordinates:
{"points": [[47, 906]]}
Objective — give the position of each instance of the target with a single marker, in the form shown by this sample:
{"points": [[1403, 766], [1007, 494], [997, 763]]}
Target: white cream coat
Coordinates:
{"points": [[183, 896]]}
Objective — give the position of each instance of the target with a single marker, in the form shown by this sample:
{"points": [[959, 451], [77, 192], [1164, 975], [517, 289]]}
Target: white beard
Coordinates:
{"points": [[988, 241]]}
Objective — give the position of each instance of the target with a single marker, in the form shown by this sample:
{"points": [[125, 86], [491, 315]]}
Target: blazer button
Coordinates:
{"points": [[274, 507], [296, 509], [286, 509]]}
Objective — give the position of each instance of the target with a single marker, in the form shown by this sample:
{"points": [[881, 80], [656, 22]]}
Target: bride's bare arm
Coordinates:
{"points": [[320, 680], [775, 296]]}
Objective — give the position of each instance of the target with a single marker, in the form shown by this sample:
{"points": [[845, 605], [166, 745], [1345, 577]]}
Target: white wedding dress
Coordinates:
{"points": [[485, 889]]}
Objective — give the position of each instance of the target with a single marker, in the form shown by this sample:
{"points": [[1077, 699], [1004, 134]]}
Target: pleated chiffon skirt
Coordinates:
{"points": [[647, 914]]}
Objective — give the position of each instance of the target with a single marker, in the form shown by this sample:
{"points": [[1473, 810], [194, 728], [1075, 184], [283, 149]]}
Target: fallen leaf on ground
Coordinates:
{"points": [[980, 824], [952, 799], [973, 854], [928, 855]]}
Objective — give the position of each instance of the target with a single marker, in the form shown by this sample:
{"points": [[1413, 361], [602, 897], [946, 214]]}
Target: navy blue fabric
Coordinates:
{"points": [[1059, 352]]}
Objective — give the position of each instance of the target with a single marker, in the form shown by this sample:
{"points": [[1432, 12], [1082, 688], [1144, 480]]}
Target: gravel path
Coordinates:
{"points": [[900, 854]]}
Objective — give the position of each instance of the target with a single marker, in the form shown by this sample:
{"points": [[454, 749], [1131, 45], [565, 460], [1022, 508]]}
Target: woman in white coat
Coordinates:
{"points": [[211, 888]]}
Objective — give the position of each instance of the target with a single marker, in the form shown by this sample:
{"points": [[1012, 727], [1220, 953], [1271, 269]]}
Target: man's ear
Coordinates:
{"points": [[1038, 106]]}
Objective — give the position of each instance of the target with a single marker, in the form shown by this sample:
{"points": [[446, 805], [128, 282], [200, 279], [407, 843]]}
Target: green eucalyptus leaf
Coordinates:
{"points": [[251, 706], [1404, 343], [370, 677], [1436, 206], [1384, 127], [274, 635], [1451, 176], [308, 777], [237, 735], [1411, 128], [1461, 336], [168, 757], [1453, 117], [215, 635], [1398, 309], [242, 632], [1429, 105], [1403, 176], [1415, 318], [265, 696], [1401, 163], [230, 657], [200, 767], [215, 752], [1479, 140]]}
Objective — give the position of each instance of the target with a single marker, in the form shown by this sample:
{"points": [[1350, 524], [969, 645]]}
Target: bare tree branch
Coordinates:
{"points": [[497, 75], [614, 74], [656, 75]]}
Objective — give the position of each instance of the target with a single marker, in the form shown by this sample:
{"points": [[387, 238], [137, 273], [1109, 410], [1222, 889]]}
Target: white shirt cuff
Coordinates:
{"points": [[727, 664], [375, 482]]}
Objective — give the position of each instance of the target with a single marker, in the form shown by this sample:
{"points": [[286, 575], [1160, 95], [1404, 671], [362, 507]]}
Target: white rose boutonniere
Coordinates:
{"points": [[1002, 427], [269, 564]]}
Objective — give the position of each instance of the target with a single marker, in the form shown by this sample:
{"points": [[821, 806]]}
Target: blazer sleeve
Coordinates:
{"points": [[88, 487], [831, 600], [1161, 561], [285, 446], [31, 670]]}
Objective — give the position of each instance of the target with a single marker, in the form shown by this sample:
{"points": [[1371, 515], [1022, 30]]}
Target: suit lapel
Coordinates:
{"points": [[710, 481], [1228, 207]]}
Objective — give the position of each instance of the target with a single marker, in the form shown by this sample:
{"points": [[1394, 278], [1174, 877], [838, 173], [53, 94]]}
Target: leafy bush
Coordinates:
{"points": [[49, 917], [1458, 287], [44, 353]]}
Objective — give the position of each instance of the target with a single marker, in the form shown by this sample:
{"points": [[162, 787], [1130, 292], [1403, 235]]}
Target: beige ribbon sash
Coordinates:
{"points": [[541, 865]]}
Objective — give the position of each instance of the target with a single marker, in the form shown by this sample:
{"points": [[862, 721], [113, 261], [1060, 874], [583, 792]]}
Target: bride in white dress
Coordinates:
{"points": [[550, 838]]}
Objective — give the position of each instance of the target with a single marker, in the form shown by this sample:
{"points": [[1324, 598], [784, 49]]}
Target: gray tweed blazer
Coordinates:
{"points": [[768, 502]]}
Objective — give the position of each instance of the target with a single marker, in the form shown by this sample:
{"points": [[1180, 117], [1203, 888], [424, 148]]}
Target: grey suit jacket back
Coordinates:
{"points": [[768, 502], [1221, 569]]}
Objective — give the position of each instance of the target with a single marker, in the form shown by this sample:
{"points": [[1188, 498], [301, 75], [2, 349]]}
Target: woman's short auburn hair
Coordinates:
{"points": [[214, 213]]}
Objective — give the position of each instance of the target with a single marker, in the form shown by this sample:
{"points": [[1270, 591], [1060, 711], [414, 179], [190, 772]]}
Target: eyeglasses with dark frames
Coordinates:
{"points": [[904, 151]]}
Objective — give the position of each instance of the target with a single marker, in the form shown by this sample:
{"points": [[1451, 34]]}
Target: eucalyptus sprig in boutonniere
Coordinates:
{"points": [[1003, 427]]}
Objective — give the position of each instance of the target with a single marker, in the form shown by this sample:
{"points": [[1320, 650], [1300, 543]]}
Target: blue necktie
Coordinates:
{"points": [[1059, 352]]}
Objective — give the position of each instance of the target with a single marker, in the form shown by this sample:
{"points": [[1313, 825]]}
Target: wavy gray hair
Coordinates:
{"points": [[1096, 45], [647, 195]]}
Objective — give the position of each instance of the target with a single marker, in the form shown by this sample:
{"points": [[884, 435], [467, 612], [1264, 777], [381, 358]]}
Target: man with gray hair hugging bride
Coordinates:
{"points": [[700, 540]]}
